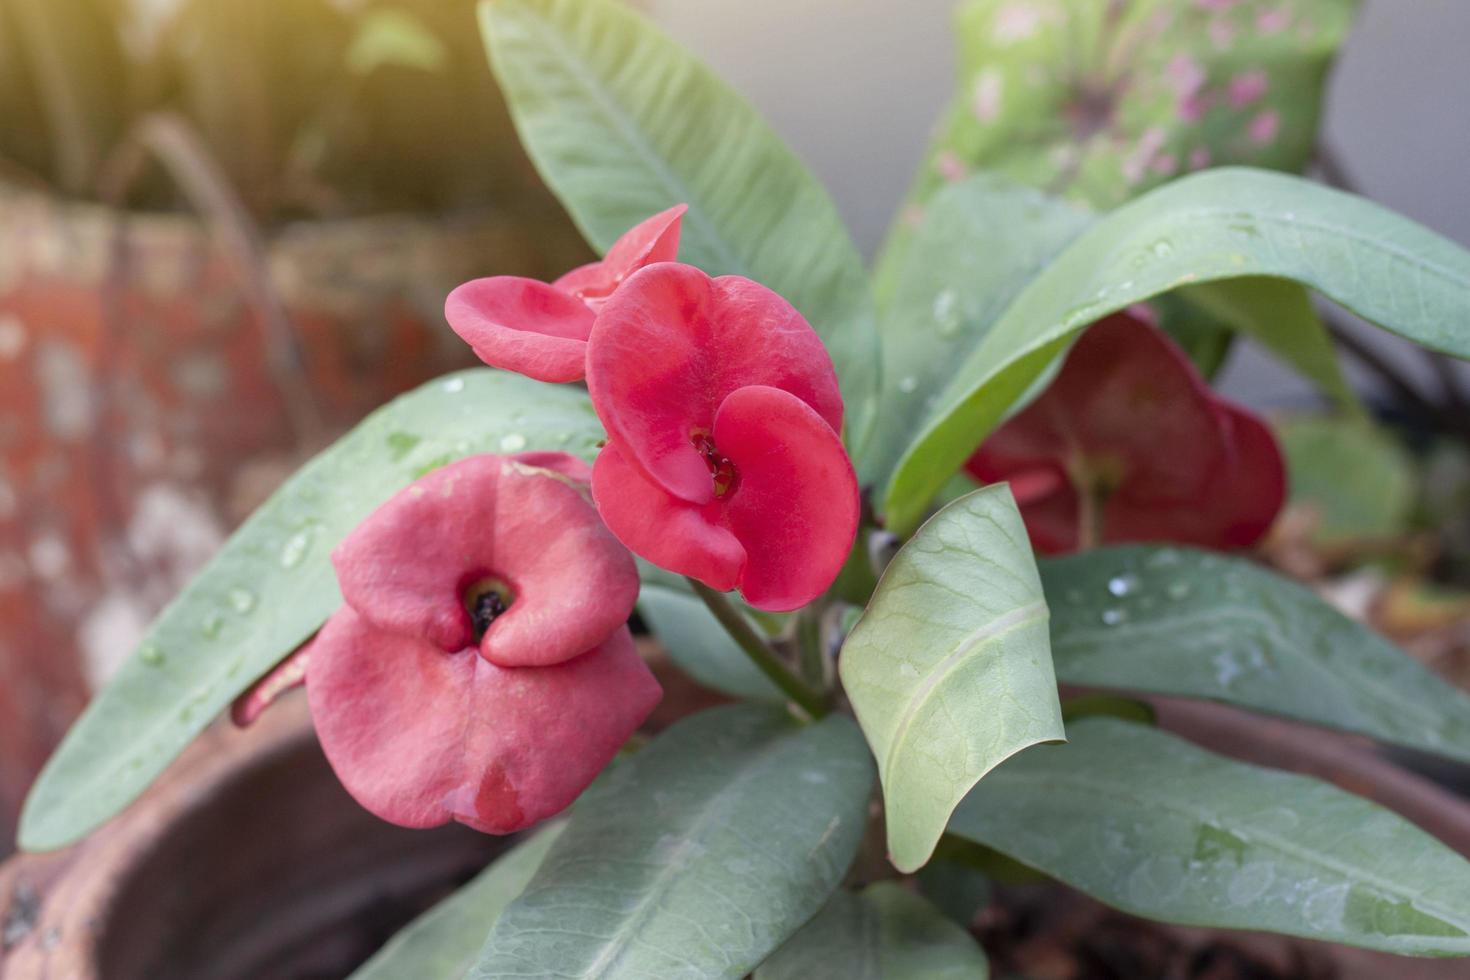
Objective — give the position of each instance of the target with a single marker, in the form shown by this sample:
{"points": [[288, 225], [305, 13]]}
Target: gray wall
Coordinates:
{"points": [[855, 85]]}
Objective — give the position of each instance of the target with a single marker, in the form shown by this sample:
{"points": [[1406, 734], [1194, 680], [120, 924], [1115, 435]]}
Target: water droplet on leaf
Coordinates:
{"points": [[514, 442]]}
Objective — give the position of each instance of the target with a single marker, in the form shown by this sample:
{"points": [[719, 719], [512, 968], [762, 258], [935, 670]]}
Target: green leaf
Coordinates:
{"points": [[949, 670], [1279, 316], [885, 932], [983, 240], [1357, 481], [1157, 827], [271, 586], [442, 943], [696, 857], [622, 122], [956, 889], [1223, 224], [696, 641], [1189, 623]]}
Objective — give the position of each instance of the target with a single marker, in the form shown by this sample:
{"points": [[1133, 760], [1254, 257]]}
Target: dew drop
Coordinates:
{"points": [[152, 656], [908, 385], [947, 313], [295, 548], [1163, 248], [1121, 585], [512, 443], [454, 385], [210, 626], [1112, 617], [242, 600], [1163, 558]]}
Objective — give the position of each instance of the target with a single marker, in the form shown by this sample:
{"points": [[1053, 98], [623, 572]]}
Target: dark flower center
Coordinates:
{"points": [[485, 602], [721, 469]]}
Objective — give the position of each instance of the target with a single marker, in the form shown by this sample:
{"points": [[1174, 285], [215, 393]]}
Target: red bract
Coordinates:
{"points": [[540, 329], [421, 737], [481, 670], [519, 526], [1129, 443], [723, 412]]}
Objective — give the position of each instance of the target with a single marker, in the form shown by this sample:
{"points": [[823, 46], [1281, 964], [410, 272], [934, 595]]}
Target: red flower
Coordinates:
{"points": [[481, 670], [539, 329], [421, 737], [723, 460], [514, 527], [1129, 443]]}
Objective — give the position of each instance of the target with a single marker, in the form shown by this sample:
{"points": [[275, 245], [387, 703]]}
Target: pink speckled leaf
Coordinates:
{"points": [[1102, 101]]}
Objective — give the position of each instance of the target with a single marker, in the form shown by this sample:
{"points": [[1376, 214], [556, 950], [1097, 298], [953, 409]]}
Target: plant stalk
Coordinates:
{"points": [[759, 651]]}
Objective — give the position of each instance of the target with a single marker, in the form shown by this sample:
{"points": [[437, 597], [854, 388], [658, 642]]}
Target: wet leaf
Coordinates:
{"points": [[983, 240], [696, 641], [1183, 622], [885, 931], [622, 122], [271, 586], [1224, 224], [1158, 827], [697, 857], [442, 943], [949, 669]]}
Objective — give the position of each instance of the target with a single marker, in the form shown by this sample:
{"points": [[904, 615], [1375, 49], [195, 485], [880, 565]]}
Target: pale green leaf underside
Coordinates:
{"points": [[1221, 224], [696, 641], [271, 586], [695, 858], [1160, 828], [1183, 622], [886, 932], [949, 669], [622, 122], [442, 943]]}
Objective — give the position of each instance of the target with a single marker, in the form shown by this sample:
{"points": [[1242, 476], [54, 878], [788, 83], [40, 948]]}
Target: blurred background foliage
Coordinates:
{"points": [[312, 108]]}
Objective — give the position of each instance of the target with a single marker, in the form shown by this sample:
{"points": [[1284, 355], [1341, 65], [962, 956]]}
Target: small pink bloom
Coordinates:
{"points": [[540, 329], [723, 461], [421, 737], [1264, 127], [1248, 87], [481, 670], [1135, 165], [519, 523]]}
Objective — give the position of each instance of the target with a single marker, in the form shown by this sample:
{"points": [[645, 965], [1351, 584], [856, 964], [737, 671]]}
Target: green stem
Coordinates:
{"points": [[758, 650]]}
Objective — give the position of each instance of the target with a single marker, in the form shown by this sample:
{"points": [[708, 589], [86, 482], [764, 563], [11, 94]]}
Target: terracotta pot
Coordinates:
{"points": [[147, 405], [245, 861]]}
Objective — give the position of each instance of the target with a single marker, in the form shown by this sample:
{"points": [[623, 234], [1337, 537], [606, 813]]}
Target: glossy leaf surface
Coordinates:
{"points": [[622, 122], [1190, 623], [697, 857], [271, 586], [1157, 827]]}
